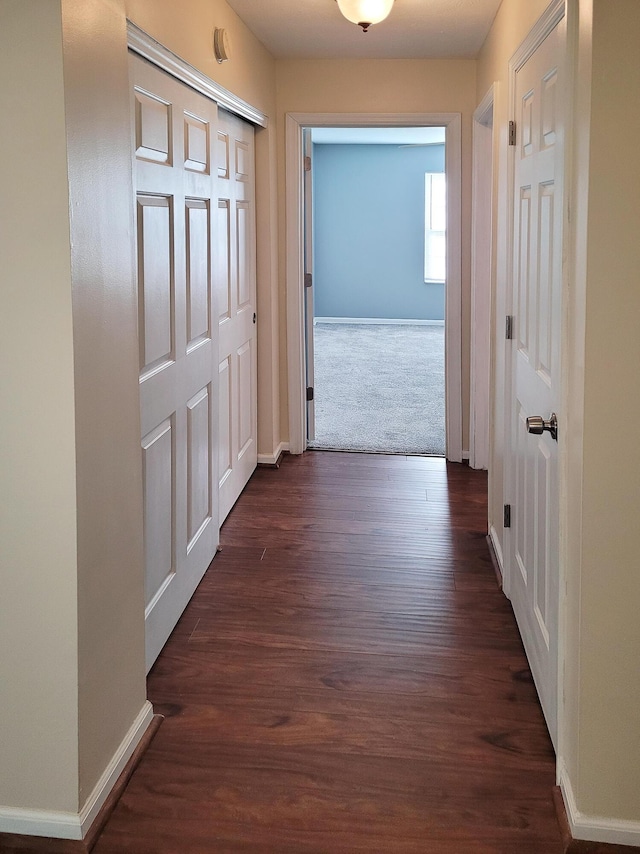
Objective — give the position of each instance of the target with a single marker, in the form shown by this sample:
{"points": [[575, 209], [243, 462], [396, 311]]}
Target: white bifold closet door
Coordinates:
{"points": [[176, 205], [195, 238], [236, 278]]}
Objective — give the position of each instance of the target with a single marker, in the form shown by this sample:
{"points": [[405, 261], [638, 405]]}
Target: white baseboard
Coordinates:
{"points": [[272, 459], [56, 825], [497, 547], [591, 828], [109, 778], [465, 454], [378, 321], [68, 825]]}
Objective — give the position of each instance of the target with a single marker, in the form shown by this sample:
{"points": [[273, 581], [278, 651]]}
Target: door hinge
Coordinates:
{"points": [[310, 393], [307, 164], [308, 280], [512, 133], [508, 329], [507, 515]]}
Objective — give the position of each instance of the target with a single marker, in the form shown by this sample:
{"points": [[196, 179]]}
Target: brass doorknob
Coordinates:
{"points": [[537, 425]]}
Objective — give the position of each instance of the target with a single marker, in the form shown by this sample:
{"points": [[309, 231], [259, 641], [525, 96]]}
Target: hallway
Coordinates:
{"points": [[347, 677]]}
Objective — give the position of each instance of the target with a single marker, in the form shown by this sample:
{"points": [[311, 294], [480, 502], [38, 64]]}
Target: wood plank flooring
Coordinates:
{"points": [[347, 678]]}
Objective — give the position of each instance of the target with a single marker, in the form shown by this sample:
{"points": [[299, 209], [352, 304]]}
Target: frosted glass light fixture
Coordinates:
{"points": [[365, 12]]}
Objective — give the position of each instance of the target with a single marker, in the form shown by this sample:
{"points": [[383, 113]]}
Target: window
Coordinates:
{"points": [[435, 227]]}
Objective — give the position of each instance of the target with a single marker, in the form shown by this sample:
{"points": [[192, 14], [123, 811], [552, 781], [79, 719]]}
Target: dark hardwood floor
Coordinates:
{"points": [[347, 678]]}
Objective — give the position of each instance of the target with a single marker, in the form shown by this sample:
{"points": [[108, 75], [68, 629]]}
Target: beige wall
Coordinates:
{"points": [[382, 86], [602, 745], [73, 661], [187, 28], [108, 481], [512, 23], [38, 631]]}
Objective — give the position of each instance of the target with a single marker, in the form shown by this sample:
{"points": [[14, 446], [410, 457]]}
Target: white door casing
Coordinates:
{"points": [[309, 309], [296, 357], [175, 131], [481, 270], [531, 471], [236, 278]]}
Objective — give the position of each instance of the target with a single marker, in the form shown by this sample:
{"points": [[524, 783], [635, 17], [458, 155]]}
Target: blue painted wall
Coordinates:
{"points": [[369, 232]]}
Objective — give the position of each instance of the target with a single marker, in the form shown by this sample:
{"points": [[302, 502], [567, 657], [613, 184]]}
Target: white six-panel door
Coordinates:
{"points": [[537, 293], [176, 207], [236, 277]]}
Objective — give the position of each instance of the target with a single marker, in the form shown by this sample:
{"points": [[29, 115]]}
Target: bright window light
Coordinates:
{"points": [[435, 227]]}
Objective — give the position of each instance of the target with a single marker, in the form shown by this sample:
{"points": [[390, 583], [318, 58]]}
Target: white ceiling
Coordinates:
{"points": [[315, 29], [378, 136]]}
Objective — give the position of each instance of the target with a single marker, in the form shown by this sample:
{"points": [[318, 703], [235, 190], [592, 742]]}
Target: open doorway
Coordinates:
{"points": [[297, 292], [375, 341]]}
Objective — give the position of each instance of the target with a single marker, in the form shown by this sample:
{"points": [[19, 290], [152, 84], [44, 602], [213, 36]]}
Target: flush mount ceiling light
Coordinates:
{"points": [[365, 12]]}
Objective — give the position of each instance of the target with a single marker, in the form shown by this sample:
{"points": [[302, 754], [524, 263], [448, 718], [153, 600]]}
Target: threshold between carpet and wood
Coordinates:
{"points": [[379, 387]]}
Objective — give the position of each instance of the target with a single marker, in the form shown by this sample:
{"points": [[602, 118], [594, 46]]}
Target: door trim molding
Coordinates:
{"points": [[552, 15], [294, 267], [482, 276], [497, 548], [147, 47]]}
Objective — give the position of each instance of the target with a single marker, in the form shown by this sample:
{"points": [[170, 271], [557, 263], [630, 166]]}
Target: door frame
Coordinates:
{"points": [[482, 276], [294, 173]]}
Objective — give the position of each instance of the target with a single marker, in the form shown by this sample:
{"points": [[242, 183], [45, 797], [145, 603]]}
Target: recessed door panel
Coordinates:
{"points": [[244, 164], [544, 559], [548, 96], [245, 403], [198, 231], [152, 123], [159, 507], [526, 123], [524, 269], [545, 322], [243, 254], [222, 152], [224, 411], [521, 522], [199, 485], [223, 277], [196, 144], [156, 304]]}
